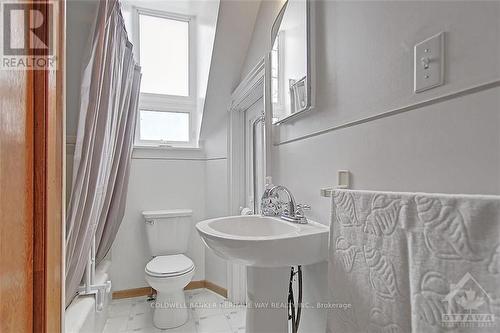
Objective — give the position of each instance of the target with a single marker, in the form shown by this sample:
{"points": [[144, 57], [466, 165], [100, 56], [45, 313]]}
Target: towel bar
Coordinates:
{"points": [[343, 181], [326, 192]]}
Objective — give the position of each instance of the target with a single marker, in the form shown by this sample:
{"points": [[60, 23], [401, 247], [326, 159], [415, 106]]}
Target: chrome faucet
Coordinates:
{"points": [[272, 206]]}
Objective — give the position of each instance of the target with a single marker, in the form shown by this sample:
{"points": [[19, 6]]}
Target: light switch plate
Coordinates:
{"points": [[429, 63]]}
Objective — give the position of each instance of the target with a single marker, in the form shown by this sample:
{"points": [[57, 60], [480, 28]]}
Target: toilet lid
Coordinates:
{"points": [[171, 265]]}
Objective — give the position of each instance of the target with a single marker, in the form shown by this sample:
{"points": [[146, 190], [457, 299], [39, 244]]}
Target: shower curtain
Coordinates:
{"points": [[108, 110]]}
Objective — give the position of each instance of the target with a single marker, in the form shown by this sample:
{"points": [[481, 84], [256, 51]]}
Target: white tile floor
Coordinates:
{"points": [[208, 313]]}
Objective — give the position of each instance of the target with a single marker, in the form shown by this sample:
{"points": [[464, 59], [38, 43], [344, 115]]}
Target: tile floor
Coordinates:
{"points": [[208, 313]]}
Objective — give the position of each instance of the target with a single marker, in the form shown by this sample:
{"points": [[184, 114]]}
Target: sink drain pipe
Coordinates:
{"points": [[293, 314]]}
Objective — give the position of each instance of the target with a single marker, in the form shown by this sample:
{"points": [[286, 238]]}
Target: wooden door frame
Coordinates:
{"points": [[32, 170], [46, 93]]}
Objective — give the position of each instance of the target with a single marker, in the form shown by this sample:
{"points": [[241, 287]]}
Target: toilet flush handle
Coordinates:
{"points": [[150, 222]]}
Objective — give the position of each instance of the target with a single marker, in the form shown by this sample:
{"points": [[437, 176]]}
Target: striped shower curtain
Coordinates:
{"points": [[108, 110]]}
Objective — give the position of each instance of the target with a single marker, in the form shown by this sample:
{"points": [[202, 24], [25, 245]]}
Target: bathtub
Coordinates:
{"points": [[81, 316]]}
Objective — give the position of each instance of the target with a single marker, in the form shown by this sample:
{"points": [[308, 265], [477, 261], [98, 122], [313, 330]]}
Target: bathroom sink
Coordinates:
{"points": [[264, 241], [268, 246]]}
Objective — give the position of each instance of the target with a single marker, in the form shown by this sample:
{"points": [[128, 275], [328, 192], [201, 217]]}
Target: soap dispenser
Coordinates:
{"points": [[266, 203]]}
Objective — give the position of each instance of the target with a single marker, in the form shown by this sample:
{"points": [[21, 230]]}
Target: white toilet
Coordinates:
{"points": [[170, 270]]}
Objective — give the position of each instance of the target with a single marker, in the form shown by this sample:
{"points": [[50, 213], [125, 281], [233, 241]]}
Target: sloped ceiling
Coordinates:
{"points": [[235, 25]]}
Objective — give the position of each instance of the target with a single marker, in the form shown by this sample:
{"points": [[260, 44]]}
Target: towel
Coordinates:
{"points": [[414, 262]]}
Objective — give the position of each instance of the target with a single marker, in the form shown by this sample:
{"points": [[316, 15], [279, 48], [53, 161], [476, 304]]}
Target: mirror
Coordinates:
{"points": [[290, 77]]}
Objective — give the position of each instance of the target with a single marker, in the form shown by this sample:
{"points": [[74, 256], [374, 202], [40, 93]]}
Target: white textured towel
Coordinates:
{"points": [[414, 262]]}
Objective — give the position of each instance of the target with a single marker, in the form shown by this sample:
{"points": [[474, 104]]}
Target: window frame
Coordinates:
{"points": [[168, 103], [158, 105]]}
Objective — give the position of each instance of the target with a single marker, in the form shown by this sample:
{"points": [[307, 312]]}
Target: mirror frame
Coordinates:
{"points": [[310, 79]]}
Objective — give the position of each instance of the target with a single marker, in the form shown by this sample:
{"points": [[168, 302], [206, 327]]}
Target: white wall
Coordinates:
{"points": [[234, 29], [260, 42], [216, 199], [157, 184], [235, 24], [206, 23], [364, 60], [216, 205], [173, 181], [195, 180], [166, 181]]}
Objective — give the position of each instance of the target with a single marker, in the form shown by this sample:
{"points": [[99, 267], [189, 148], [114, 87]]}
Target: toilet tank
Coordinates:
{"points": [[168, 231]]}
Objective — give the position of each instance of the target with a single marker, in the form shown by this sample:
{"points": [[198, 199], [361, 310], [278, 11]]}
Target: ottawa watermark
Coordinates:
{"points": [[27, 36], [467, 305]]}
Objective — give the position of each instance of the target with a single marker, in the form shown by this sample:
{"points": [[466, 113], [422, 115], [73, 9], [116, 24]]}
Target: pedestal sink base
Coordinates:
{"points": [[268, 246], [267, 298]]}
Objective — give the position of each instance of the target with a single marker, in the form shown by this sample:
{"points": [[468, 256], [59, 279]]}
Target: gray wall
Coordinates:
{"points": [[365, 66], [80, 19]]}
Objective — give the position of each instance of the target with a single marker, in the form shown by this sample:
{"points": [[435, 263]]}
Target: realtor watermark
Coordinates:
{"points": [[27, 36], [467, 305]]}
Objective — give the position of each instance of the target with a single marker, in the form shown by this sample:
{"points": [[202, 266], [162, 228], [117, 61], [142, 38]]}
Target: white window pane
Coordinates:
{"points": [[164, 126], [164, 54]]}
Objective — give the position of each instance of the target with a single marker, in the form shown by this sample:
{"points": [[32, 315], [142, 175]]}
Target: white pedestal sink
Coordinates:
{"points": [[269, 246]]}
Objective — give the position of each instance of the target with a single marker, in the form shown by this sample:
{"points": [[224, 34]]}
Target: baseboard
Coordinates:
{"points": [[216, 289], [135, 292], [195, 285], [146, 291]]}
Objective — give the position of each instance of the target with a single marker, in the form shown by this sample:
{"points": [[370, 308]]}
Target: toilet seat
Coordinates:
{"points": [[169, 266]]}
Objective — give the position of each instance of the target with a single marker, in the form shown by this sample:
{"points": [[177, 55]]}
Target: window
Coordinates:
{"points": [[163, 126], [167, 102], [278, 85], [164, 55]]}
